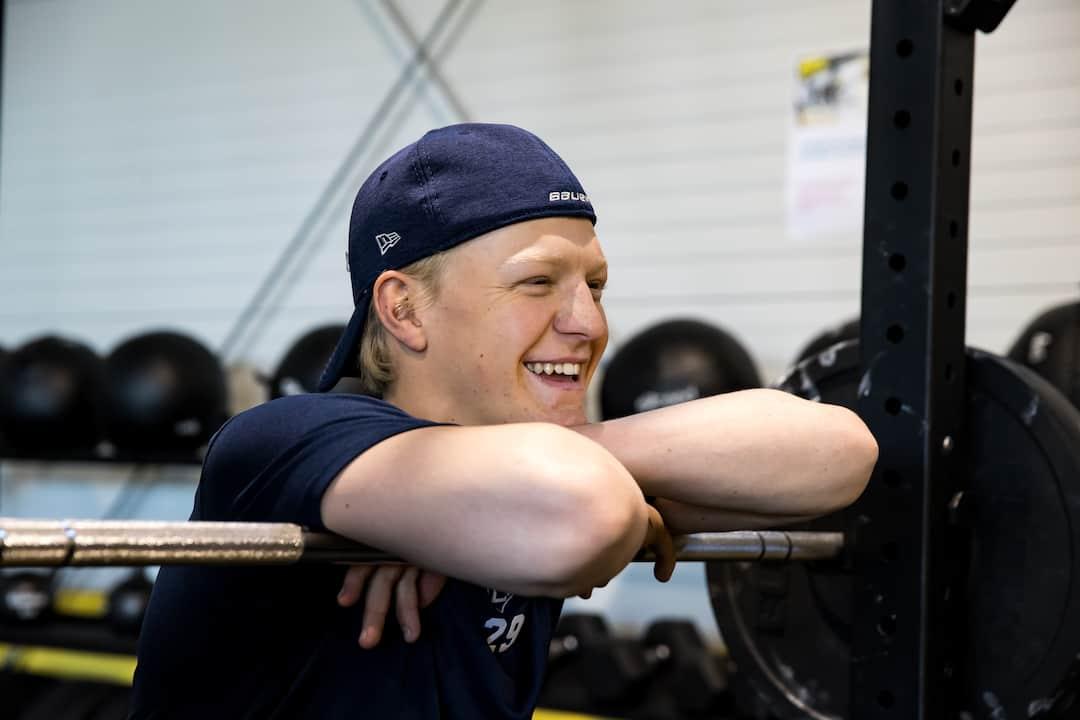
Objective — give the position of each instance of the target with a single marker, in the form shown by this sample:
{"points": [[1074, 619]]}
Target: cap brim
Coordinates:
{"points": [[345, 360]]}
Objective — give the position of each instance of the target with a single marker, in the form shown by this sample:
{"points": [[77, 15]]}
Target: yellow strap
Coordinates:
{"points": [[68, 664], [120, 669], [81, 603]]}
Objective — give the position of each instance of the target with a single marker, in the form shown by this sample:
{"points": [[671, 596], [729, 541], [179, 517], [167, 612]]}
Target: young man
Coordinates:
{"points": [[477, 280]]}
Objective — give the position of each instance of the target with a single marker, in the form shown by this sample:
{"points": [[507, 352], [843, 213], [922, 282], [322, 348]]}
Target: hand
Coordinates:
{"points": [[413, 589], [658, 539]]}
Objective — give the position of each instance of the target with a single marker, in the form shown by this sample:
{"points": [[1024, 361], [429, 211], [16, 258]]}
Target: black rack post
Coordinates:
{"points": [[912, 353]]}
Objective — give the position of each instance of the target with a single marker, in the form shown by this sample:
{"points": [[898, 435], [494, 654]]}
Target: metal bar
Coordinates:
{"points": [[914, 278], [241, 331], [56, 543], [431, 63]]}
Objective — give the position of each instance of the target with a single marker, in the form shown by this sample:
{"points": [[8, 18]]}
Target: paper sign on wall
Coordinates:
{"points": [[827, 146]]}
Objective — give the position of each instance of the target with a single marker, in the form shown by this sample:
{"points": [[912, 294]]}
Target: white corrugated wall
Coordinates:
{"points": [[156, 158]]}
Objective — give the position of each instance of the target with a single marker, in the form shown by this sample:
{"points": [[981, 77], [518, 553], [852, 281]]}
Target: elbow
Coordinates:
{"points": [[599, 527], [857, 453]]}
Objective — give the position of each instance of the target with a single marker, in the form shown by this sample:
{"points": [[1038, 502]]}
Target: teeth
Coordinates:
{"points": [[554, 368]]}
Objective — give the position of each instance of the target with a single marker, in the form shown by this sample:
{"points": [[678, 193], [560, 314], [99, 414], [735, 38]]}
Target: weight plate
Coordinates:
{"points": [[788, 626]]}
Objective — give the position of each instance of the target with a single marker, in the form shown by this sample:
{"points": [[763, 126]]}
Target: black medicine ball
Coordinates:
{"points": [[1050, 346], [50, 399], [673, 362], [166, 394], [828, 338], [302, 366]]}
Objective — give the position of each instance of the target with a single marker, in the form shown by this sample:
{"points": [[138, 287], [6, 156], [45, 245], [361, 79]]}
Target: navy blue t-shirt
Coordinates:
{"points": [[271, 642]]}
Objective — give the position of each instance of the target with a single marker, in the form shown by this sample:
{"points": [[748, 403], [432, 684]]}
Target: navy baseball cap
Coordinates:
{"points": [[453, 184]]}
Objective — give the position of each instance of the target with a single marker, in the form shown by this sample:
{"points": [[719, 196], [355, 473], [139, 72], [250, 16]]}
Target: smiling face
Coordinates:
{"points": [[516, 330]]}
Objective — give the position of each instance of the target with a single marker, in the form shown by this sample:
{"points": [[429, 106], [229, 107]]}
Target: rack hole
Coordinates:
{"points": [[885, 699], [899, 190], [955, 158], [890, 551], [954, 229], [892, 478], [958, 86], [950, 299], [894, 334], [897, 262], [893, 405], [901, 119], [904, 48], [949, 372]]}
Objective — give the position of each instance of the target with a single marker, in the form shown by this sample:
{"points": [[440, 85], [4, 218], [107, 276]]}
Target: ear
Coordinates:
{"points": [[395, 296]]}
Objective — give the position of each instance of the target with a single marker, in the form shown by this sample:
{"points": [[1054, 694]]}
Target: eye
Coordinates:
{"points": [[539, 280]]}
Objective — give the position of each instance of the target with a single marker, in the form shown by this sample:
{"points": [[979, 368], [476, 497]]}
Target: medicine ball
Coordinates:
{"points": [[1050, 346], [828, 338], [166, 395], [672, 362], [50, 399], [302, 366]]}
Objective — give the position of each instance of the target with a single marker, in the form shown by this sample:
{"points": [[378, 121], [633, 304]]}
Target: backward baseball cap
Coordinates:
{"points": [[453, 184]]}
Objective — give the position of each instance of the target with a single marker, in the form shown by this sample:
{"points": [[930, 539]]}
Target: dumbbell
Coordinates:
{"points": [[617, 669], [127, 603], [25, 597], [687, 672], [564, 687]]}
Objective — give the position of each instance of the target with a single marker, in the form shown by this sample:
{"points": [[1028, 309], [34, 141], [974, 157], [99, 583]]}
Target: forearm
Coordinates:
{"points": [[682, 518], [528, 508], [757, 452]]}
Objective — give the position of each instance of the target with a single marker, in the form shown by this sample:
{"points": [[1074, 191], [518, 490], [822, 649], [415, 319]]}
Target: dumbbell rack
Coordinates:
{"points": [[72, 641]]}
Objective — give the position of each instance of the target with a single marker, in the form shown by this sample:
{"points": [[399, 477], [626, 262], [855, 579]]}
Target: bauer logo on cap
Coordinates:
{"points": [[556, 195]]}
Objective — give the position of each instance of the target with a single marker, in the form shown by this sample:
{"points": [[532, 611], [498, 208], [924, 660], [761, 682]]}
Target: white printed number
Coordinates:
{"points": [[502, 631]]}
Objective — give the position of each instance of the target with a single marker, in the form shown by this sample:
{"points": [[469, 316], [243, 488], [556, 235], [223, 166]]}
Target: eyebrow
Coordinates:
{"points": [[543, 258]]}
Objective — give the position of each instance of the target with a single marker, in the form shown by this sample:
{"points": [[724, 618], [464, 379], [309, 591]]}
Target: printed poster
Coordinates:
{"points": [[827, 146]]}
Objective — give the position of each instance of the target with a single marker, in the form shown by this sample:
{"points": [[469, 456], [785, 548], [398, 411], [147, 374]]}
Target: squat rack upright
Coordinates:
{"points": [[905, 643]]}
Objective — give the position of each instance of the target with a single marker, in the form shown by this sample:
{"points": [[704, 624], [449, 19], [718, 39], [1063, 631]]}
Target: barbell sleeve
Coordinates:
{"points": [[97, 543]]}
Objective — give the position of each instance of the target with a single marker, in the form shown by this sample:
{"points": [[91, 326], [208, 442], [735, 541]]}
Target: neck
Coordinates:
{"points": [[414, 396]]}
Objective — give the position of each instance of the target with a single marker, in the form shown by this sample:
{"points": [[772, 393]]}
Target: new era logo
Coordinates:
{"points": [[386, 241]]}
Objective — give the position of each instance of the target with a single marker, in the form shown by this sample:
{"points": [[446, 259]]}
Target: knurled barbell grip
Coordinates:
{"points": [[50, 543]]}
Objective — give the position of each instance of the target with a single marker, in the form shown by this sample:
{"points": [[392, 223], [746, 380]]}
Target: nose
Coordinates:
{"points": [[581, 314]]}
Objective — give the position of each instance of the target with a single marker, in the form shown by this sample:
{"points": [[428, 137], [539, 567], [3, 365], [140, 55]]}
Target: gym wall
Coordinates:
{"points": [[156, 158]]}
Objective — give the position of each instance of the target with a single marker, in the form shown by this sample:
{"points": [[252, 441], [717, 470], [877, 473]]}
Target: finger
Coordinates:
{"points": [[665, 557], [431, 584], [406, 604], [377, 603], [352, 587]]}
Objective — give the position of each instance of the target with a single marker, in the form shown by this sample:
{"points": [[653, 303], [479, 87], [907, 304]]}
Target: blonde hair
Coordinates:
{"points": [[376, 368]]}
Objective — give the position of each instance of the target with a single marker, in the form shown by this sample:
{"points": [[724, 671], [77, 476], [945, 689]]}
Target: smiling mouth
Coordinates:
{"points": [[561, 373]]}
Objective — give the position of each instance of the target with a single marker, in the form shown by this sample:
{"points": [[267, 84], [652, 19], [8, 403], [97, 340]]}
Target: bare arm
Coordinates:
{"points": [[529, 508], [749, 458], [682, 518]]}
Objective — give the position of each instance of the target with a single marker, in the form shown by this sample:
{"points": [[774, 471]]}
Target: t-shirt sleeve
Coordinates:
{"points": [[273, 463]]}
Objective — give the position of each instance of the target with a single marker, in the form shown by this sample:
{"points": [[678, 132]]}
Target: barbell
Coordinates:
{"points": [[57, 543]]}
